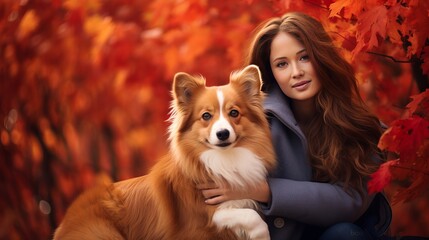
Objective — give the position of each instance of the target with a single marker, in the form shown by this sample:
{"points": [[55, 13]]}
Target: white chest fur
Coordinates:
{"points": [[238, 166], [241, 168]]}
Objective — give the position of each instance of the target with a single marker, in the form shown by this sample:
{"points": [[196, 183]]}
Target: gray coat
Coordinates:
{"points": [[296, 200]]}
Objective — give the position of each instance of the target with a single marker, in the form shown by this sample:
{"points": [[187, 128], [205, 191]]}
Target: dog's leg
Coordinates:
{"points": [[243, 219]]}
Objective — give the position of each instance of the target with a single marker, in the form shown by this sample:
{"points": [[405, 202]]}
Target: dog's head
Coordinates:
{"points": [[219, 119]]}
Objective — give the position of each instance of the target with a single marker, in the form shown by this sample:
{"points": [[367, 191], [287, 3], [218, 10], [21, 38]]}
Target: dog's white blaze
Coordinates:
{"points": [[238, 166], [221, 123]]}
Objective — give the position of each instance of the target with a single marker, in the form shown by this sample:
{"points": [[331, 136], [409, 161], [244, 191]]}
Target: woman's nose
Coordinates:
{"points": [[297, 72]]}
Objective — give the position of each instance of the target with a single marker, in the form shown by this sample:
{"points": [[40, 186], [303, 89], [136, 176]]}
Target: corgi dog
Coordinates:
{"points": [[217, 134]]}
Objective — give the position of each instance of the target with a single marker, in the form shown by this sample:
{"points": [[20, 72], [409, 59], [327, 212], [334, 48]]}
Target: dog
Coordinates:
{"points": [[216, 134]]}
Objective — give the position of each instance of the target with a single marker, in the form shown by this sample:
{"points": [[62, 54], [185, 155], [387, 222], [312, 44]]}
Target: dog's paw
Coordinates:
{"points": [[241, 221], [257, 229]]}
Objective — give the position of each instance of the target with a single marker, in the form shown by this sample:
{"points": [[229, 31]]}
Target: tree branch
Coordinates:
{"points": [[390, 57]]}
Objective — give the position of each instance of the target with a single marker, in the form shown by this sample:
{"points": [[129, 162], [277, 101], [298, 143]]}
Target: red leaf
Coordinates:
{"points": [[371, 26], [349, 43], [346, 8], [405, 136], [420, 105], [381, 177]]}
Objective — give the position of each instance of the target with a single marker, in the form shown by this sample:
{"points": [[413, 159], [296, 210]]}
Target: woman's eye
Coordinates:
{"points": [[234, 113], [206, 116], [305, 58], [281, 64]]}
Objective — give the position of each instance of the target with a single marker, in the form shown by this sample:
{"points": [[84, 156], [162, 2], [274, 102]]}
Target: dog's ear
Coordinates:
{"points": [[184, 89], [185, 86], [248, 80]]}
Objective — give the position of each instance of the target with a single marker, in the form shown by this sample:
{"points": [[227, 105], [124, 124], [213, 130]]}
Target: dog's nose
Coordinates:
{"points": [[222, 134]]}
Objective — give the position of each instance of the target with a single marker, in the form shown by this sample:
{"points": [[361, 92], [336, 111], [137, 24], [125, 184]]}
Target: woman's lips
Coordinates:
{"points": [[301, 85]]}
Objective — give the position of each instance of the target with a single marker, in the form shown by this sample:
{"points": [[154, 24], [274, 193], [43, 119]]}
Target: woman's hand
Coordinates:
{"points": [[215, 194]]}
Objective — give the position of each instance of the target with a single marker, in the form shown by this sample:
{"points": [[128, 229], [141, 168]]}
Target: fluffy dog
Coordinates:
{"points": [[217, 133]]}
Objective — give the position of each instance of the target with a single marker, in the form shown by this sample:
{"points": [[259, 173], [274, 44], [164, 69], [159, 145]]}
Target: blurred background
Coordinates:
{"points": [[85, 86]]}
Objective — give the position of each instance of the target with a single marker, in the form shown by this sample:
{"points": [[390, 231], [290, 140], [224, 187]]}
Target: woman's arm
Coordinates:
{"points": [[314, 203]]}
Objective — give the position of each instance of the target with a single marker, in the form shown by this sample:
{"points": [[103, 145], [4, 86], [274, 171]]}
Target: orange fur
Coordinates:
{"points": [[165, 203]]}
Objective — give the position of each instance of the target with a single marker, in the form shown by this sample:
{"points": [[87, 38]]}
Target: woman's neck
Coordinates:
{"points": [[303, 111]]}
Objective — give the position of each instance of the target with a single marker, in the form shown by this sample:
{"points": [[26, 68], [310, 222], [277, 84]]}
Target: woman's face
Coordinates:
{"points": [[292, 68]]}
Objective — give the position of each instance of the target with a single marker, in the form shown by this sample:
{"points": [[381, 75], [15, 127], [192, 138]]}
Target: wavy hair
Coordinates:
{"points": [[343, 135]]}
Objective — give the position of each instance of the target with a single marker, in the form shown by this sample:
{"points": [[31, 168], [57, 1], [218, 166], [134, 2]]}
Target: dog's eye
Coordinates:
{"points": [[234, 113], [206, 116]]}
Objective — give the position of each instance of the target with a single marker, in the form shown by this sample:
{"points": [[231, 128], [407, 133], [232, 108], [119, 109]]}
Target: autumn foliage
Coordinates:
{"points": [[84, 89]]}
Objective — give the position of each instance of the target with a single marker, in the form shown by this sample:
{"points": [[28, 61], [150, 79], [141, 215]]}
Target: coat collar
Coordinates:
{"points": [[278, 104]]}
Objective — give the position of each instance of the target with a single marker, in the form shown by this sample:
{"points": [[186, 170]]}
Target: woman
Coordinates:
{"points": [[325, 138]]}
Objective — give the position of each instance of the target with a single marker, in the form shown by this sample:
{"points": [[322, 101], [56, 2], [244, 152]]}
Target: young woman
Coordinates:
{"points": [[325, 138]]}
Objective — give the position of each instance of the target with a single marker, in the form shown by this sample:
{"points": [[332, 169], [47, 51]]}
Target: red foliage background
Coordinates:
{"points": [[84, 89]]}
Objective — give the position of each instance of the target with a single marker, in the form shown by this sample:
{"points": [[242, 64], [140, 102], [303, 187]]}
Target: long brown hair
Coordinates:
{"points": [[343, 135]]}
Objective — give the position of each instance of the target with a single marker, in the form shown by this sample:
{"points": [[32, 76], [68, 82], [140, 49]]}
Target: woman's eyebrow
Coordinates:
{"points": [[282, 58], [297, 53], [301, 51], [279, 58]]}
